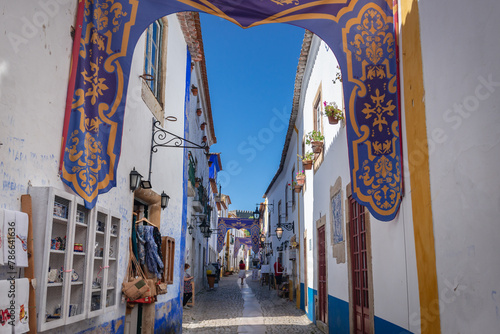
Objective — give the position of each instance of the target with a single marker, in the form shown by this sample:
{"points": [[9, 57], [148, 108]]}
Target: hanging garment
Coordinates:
{"points": [[5, 318], [153, 260], [157, 236], [22, 302], [141, 241], [22, 223]]}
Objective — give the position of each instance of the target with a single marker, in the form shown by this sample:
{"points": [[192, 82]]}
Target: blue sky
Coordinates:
{"points": [[251, 75]]}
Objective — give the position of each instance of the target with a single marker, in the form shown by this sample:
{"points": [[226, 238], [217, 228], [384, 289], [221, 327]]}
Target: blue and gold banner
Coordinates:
{"points": [[225, 224], [360, 32]]}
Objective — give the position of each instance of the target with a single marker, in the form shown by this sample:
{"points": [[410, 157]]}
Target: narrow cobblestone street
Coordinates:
{"points": [[247, 308]]}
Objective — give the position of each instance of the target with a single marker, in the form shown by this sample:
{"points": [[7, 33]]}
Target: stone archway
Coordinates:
{"points": [[360, 32]]}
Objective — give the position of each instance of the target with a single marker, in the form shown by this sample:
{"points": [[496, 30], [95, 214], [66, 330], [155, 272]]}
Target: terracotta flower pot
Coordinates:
{"points": [[297, 188], [317, 146], [202, 126], [198, 111], [196, 184], [301, 180], [307, 164], [194, 90], [210, 164], [204, 139], [332, 119]]}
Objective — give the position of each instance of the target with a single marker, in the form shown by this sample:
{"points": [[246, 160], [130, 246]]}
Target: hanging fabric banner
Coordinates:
{"points": [[360, 33], [252, 225], [247, 242]]}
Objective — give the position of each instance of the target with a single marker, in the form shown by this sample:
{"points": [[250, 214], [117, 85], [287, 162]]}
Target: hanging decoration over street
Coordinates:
{"points": [[247, 242], [252, 225], [360, 32]]}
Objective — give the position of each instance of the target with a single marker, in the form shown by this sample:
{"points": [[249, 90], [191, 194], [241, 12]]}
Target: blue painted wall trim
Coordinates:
{"points": [[338, 319], [116, 326], [302, 294], [311, 293], [384, 326], [338, 315], [168, 317]]}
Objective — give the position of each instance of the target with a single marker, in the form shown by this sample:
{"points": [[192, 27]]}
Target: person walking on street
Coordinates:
{"points": [[188, 288], [243, 272]]}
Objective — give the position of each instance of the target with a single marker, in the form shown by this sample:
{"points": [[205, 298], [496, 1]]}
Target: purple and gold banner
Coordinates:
{"points": [[360, 32], [225, 224]]}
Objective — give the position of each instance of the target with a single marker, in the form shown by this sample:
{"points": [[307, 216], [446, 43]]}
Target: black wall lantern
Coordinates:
{"points": [[164, 200], [135, 179], [256, 214], [204, 227], [190, 229], [208, 233]]}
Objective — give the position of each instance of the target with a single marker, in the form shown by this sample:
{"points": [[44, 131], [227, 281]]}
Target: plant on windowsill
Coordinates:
{"points": [[202, 126], [204, 139], [198, 111], [307, 160], [315, 139], [301, 178], [333, 112]]}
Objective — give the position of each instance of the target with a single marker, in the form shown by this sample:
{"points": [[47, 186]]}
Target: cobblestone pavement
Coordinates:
{"points": [[248, 308]]}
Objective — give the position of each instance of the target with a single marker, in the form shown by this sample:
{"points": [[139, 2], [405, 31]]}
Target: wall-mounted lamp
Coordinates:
{"points": [[164, 200], [146, 184], [279, 232], [208, 233], [135, 179], [190, 229], [204, 227], [256, 213]]}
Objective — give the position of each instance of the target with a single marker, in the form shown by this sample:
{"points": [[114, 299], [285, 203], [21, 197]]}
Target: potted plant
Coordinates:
{"points": [[307, 160], [198, 112], [296, 187], [202, 126], [204, 139], [210, 163], [207, 149], [333, 112], [194, 90], [301, 178], [315, 139]]}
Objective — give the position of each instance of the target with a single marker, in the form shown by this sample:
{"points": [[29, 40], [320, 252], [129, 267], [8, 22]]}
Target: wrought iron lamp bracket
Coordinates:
{"points": [[164, 138]]}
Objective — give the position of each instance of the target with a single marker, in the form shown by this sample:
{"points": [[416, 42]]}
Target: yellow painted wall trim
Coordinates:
{"points": [[418, 165]]}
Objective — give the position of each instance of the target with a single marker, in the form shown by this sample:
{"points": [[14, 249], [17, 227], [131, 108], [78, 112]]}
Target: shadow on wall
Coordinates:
{"points": [[113, 327], [169, 317]]}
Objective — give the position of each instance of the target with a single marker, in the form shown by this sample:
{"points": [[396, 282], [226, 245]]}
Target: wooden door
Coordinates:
{"points": [[359, 267], [322, 295]]}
